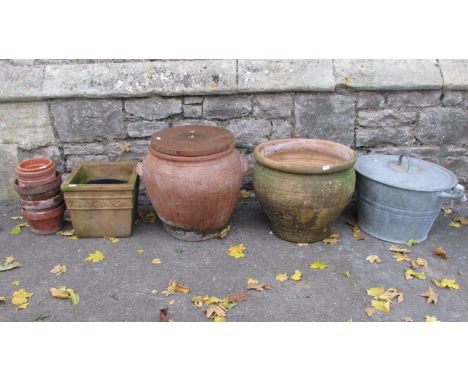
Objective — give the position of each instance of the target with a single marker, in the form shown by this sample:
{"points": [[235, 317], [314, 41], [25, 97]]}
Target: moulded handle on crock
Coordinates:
{"points": [[245, 164], [457, 192]]}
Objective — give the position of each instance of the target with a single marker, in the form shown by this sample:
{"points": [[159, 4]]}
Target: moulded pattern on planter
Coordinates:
{"points": [[193, 176], [303, 185], [44, 191], [45, 222], [102, 198]]}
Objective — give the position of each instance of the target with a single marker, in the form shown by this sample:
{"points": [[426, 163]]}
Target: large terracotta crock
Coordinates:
{"points": [[303, 185], [193, 176]]}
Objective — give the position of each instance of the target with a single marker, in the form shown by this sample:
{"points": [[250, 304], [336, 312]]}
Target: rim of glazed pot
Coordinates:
{"points": [[201, 158], [34, 165], [43, 215], [344, 156], [26, 191]]}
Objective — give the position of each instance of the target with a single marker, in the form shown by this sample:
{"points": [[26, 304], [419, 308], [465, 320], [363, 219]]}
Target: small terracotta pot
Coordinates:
{"points": [[35, 169], [45, 191], [35, 182], [45, 222], [41, 205]]}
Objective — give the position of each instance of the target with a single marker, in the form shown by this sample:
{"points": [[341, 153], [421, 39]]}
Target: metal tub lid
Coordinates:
{"points": [[405, 172]]}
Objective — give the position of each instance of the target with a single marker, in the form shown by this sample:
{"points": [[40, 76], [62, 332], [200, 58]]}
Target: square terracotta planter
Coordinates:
{"points": [[102, 198]]}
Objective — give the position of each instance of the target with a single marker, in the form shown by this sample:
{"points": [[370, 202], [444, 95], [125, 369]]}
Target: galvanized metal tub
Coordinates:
{"points": [[400, 200]]}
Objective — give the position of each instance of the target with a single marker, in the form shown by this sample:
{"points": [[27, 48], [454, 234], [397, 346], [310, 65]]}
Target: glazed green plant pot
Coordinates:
{"points": [[303, 185]]}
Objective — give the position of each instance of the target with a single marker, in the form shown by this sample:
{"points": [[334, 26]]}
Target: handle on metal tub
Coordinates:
{"points": [[408, 158], [457, 192]]}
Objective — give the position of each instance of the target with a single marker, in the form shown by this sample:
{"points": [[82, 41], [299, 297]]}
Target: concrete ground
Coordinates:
{"points": [[119, 288]]}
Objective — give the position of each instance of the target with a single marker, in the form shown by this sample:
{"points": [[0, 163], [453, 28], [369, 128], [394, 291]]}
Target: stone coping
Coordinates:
{"points": [[28, 80]]}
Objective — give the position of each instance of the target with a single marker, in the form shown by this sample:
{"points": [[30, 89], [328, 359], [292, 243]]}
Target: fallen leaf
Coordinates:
{"points": [[124, 146], [173, 287], [333, 239], [113, 240], [40, 318], [358, 236], [411, 242], [432, 297], [59, 269], [227, 304], [407, 319], [239, 297], [302, 244], [258, 287], [179, 251], [347, 79], [390, 294], [251, 281], [215, 309], [245, 194], [383, 306], [20, 298], [164, 315], [199, 300], [448, 283], [454, 224], [212, 300], [431, 319], [172, 302], [439, 251], [296, 276], [140, 251], [410, 273], [65, 293], [356, 231], [237, 251], [223, 233], [374, 259], [447, 211], [370, 311], [281, 277], [462, 219], [15, 282], [401, 257], [154, 291], [397, 248], [66, 233], [461, 273], [16, 217], [318, 265], [2, 299], [375, 292], [219, 319], [156, 261], [18, 228], [95, 257], [347, 274], [419, 263], [9, 263]]}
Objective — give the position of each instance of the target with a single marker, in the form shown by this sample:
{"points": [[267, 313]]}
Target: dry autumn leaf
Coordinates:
{"points": [[20, 298], [9, 263], [66, 233], [173, 287], [223, 233], [65, 293], [439, 251], [401, 257], [447, 211], [16, 217], [390, 294], [59, 269], [216, 310], [432, 297], [407, 319], [383, 306], [318, 265], [281, 277], [347, 274], [462, 219], [172, 302], [95, 257], [454, 224], [411, 242], [251, 281], [156, 261], [258, 287], [245, 194], [154, 292], [238, 297], [375, 292], [124, 146], [15, 282], [410, 274], [446, 283], [199, 300], [140, 251], [397, 248], [370, 312], [333, 239], [419, 263], [18, 228], [219, 319], [237, 251], [374, 259], [113, 240], [296, 276], [431, 319]]}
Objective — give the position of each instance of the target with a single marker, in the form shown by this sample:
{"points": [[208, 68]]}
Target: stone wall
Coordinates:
{"points": [[76, 111]]}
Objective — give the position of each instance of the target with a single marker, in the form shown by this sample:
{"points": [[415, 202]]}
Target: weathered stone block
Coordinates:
{"points": [[370, 100], [193, 111], [429, 153], [385, 118], [272, 105], [88, 120], [73, 160], [325, 116], [84, 149], [154, 107], [52, 152], [225, 107], [455, 73], [140, 129], [413, 99], [451, 98], [21, 82], [184, 122], [388, 74], [193, 100], [443, 125], [456, 159], [137, 150], [25, 123], [285, 75], [251, 132], [372, 137], [8, 160]]}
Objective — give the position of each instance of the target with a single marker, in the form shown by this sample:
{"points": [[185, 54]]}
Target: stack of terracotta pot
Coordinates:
{"points": [[38, 186]]}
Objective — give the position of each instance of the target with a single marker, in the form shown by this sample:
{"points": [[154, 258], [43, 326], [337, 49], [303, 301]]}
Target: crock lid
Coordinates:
{"points": [[405, 172], [191, 140]]}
